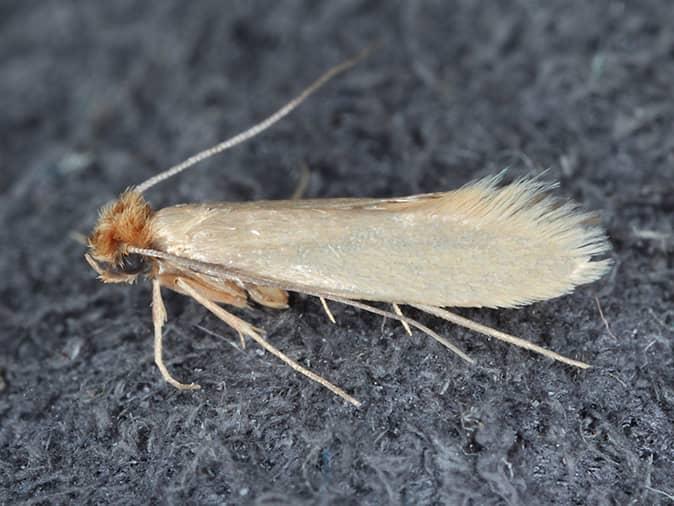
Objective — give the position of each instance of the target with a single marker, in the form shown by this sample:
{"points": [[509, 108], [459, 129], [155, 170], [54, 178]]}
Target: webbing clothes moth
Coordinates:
{"points": [[482, 245]]}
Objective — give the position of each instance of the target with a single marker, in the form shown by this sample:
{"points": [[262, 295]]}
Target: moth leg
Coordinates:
{"points": [[225, 294], [247, 329], [396, 310], [268, 296], [410, 321], [327, 310], [158, 319], [502, 336], [303, 182]]}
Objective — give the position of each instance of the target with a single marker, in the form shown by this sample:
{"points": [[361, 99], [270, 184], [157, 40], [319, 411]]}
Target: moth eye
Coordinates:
{"points": [[132, 264]]}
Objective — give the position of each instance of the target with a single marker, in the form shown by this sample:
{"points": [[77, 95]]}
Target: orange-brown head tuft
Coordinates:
{"points": [[124, 223]]}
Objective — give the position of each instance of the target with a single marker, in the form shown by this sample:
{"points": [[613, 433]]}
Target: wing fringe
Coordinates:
{"points": [[526, 205]]}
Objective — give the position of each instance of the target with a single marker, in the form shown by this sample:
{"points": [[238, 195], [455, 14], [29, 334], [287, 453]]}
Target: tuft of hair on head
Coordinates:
{"points": [[122, 224]]}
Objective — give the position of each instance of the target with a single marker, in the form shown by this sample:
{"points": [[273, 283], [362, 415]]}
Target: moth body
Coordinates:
{"points": [[483, 245]]}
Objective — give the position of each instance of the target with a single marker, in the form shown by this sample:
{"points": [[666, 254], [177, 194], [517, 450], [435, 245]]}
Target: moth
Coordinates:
{"points": [[482, 245]]}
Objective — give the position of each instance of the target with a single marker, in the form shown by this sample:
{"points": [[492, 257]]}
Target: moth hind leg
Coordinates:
{"points": [[502, 336], [402, 318], [331, 317], [398, 311], [303, 183]]}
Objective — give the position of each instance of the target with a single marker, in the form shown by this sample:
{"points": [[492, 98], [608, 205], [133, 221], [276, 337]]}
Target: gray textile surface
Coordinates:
{"points": [[96, 96]]}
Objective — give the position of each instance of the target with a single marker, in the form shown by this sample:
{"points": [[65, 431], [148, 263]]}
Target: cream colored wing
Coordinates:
{"points": [[480, 245]]}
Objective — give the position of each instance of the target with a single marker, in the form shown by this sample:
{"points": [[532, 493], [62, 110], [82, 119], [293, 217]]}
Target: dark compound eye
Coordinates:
{"points": [[133, 263]]}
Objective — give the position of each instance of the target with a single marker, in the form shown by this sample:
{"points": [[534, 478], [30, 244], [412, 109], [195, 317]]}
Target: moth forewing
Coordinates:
{"points": [[479, 246]]}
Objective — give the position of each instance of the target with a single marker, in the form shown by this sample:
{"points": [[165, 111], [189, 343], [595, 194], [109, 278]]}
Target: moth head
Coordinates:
{"points": [[122, 226]]}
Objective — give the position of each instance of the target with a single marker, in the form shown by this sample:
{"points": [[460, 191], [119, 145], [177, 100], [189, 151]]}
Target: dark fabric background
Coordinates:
{"points": [[97, 96]]}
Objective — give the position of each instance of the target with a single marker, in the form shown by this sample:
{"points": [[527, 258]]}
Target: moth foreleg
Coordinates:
{"points": [[158, 319], [247, 329]]}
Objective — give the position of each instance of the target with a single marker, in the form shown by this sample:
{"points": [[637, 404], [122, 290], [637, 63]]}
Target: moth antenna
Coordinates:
{"points": [[257, 128]]}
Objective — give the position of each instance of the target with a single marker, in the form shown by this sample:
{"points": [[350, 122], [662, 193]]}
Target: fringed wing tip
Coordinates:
{"points": [[526, 208]]}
